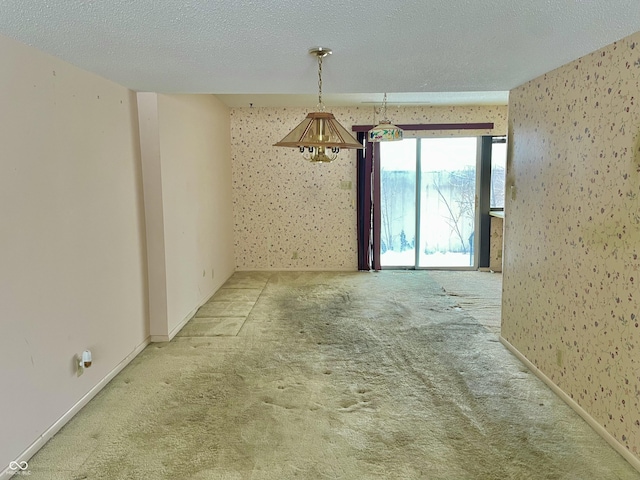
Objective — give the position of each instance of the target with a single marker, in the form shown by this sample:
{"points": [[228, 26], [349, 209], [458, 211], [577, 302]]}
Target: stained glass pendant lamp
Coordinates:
{"points": [[319, 136], [385, 131]]}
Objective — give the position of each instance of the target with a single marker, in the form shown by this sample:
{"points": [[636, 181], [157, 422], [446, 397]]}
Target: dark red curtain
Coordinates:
{"points": [[368, 191]]}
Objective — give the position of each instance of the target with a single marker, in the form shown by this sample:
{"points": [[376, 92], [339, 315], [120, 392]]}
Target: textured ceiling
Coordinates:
{"points": [[419, 48]]}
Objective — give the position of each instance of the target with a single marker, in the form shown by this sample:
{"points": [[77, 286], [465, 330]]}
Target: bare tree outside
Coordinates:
{"points": [[456, 190], [397, 207], [447, 201], [497, 186], [498, 174]]}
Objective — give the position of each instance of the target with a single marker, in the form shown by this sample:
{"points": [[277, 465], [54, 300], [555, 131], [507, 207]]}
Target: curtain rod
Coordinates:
{"points": [[432, 126]]}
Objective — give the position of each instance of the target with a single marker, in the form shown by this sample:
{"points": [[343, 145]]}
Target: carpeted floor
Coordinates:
{"points": [[329, 376], [478, 293]]}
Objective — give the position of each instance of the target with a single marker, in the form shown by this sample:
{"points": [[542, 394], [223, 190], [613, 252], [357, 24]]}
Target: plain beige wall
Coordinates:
{"points": [[72, 241], [154, 214], [571, 303], [186, 157], [195, 156], [73, 262]]}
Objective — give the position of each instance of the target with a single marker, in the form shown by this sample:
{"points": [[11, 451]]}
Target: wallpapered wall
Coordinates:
{"points": [[572, 236], [290, 214]]}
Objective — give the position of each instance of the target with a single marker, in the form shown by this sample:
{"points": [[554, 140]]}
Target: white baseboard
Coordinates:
{"points": [[298, 269], [600, 430], [177, 328], [157, 339], [174, 331], [184, 321], [7, 473]]}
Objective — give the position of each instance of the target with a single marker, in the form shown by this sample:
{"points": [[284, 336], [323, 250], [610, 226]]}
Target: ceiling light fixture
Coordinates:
{"points": [[320, 136], [385, 131]]}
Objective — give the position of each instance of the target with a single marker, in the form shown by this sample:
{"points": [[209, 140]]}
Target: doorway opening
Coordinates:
{"points": [[428, 202]]}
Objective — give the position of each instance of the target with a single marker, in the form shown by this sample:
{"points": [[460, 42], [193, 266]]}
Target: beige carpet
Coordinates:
{"points": [[478, 293], [329, 376]]}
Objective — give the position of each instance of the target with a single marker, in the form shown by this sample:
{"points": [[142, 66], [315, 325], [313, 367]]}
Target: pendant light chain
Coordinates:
{"points": [[320, 81], [385, 131], [384, 107], [320, 137]]}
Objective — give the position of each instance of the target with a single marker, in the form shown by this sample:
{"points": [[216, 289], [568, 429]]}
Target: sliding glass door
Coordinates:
{"points": [[398, 203], [428, 202], [447, 201]]}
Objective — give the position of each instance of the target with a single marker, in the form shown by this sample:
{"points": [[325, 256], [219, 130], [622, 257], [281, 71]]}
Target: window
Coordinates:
{"points": [[498, 172]]}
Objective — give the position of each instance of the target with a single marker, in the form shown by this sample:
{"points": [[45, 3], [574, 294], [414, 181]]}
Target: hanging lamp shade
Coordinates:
{"points": [[385, 131], [319, 130], [319, 136]]}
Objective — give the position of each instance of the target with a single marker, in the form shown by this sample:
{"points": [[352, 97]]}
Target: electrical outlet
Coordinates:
{"points": [[83, 361], [294, 256], [345, 185], [79, 366]]}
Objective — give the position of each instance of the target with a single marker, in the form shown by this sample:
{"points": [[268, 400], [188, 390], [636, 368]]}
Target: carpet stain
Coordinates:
{"points": [[333, 375]]}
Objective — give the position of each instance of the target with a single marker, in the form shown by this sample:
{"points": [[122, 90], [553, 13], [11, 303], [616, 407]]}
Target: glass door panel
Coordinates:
{"points": [[398, 203], [447, 201], [498, 173]]}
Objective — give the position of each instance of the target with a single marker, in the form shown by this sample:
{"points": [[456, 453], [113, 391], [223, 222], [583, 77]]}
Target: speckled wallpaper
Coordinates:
{"points": [[495, 248], [572, 233], [293, 215]]}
